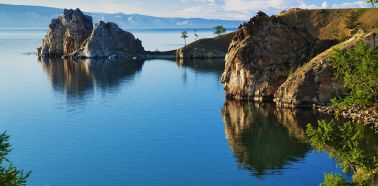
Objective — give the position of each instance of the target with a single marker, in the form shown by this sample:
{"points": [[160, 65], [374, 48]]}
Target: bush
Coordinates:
{"points": [[358, 67], [352, 21], [334, 180]]}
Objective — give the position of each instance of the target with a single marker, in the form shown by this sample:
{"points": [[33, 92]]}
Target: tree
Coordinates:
{"points": [[184, 35], [358, 67], [219, 30], [352, 21], [195, 34], [372, 2], [9, 174]]}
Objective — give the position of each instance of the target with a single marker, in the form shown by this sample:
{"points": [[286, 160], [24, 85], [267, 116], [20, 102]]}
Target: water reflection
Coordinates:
{"points": [[214, 66], [261, 143], [78, 79]]}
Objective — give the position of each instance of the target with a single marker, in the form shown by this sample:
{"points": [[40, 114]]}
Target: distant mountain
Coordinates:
{"points": [[24, 16]]}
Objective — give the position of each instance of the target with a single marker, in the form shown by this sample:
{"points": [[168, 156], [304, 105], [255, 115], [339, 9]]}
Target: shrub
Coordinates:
{"points": [[358, 67]]}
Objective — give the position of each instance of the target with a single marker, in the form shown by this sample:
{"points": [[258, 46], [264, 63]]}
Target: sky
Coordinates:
{"points": [[218, 9]]}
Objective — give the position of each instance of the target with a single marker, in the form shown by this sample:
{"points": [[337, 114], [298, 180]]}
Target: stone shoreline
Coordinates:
{"points": [[364, 115]]}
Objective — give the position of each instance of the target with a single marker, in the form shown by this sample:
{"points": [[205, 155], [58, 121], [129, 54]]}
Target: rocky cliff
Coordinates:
{"points": [[263, 53], [315, 82], [66, 33], [107, 39], [72, 36]]}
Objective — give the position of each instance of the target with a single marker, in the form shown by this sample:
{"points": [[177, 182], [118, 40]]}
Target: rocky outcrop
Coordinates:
{"points": [[107, 39], [66, 34], [315, 82], [72, 36], [206, 48], [262, 54]]}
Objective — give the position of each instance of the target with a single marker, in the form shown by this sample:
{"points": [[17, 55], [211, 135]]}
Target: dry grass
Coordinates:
{"points": [[330, 23]]}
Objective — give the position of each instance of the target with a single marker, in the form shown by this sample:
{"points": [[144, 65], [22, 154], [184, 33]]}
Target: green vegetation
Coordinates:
{"points": [[352, 21], [219, 30], [358, 67], [334, 180], [184, 35], [9, 174], [372, 2], [345, 144]]}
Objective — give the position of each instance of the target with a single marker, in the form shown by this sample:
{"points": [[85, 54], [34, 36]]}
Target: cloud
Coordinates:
{"points": [[357, 4], [248, 5], [313, 6]]}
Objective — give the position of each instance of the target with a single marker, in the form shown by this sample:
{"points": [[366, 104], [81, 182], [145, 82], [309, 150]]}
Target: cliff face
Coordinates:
{"points": [[262, 54], [107, 39], [315, 82], [72, 36], [66, 33]]}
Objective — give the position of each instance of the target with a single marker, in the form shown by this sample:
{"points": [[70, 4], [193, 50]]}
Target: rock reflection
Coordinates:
{"points": [[78, 79], [215, 66], [260, 142]]}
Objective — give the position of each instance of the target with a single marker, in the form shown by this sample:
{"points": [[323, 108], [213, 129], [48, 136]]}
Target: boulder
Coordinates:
{"points": [[66, 34], [107, 39], [262, 54], [314, 82]]}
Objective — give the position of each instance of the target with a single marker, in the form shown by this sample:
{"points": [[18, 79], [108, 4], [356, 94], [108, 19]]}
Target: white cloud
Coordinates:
{"points": [[247, 5], [313, 6], [357, 4]]}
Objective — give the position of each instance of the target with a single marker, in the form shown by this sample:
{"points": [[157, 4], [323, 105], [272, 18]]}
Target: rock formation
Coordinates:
{"points": [[66, 34], [206, 48], [72, 36], [107, 39], [315, 82], [262, 54]]}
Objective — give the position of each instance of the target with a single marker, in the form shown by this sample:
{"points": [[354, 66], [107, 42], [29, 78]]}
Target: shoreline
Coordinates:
{"points": [[368, 116]]}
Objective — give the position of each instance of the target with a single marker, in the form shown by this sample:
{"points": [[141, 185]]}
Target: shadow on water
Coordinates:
{"points": [[205, 66], [78, 79]]}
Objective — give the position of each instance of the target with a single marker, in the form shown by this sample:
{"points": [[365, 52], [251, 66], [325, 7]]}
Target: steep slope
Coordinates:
{"points": [[330, 23], [315, 82]]}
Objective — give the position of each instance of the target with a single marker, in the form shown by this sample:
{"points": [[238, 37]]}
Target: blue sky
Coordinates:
{"points": [[223, 9]]}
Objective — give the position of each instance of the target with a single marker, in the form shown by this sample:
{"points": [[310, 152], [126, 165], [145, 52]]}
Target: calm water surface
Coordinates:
{"points": [[152, 122]]}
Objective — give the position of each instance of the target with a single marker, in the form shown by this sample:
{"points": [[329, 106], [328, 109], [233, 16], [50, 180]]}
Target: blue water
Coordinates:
{"points": [[152, 122]]}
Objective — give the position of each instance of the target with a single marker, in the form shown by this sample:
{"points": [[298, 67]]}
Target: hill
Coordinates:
{"points": [[330, 23], [25, 16]]}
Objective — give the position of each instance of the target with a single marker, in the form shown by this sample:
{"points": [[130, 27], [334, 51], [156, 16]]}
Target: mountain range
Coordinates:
{"points": [[25, 16]]}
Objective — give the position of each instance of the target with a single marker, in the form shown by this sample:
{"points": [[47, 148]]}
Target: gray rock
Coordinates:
{"points": [[66, 33], [107, 39]]}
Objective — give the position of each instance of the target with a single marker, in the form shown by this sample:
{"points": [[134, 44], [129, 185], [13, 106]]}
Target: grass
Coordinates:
{"points": [[330, 23]]}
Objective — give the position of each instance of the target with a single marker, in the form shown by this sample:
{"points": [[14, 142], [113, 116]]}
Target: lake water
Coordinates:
{"points": [[152, 122]]}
